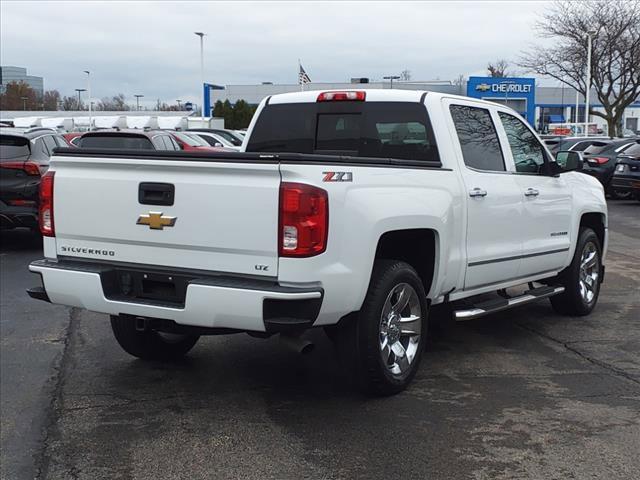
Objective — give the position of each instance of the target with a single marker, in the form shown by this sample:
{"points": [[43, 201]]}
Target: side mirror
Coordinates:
{"points": [[567, 161], [218, 144]]}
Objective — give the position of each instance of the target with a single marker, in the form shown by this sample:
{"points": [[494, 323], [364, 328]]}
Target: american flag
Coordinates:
{"points": [[303, 78]]}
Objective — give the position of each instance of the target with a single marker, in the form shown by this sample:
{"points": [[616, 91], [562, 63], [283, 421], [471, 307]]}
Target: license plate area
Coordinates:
{"points": [[137, 286]]}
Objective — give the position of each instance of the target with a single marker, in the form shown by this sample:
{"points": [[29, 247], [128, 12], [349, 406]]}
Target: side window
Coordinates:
{"points": [[158, 143], [528, 153], [50, 142], [478, 138], [174, 144], [41, 148], [61, 141]]}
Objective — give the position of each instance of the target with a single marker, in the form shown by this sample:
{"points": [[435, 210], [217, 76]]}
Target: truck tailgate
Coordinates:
{"points": [[223, 216]]}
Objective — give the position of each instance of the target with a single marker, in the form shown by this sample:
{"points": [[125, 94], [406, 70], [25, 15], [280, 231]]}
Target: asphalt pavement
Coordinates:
{"points": [[524, 394]]}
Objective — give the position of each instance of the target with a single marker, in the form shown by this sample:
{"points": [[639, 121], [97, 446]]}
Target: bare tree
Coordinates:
{"points": [[117, 103], [615, 52], [498, 68], [405, 76], [70, 103], [51, 100]]}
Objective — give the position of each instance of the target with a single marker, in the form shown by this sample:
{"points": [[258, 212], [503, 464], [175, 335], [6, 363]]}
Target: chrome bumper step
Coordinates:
{"points": [[496, 305]]}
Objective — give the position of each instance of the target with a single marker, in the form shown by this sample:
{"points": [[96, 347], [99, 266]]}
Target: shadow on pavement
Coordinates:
{"points": [[19, 239]]}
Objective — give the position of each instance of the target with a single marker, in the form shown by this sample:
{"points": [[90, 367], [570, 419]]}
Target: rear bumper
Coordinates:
{"points": [[15, 217], [626, 183], [211, 301]]}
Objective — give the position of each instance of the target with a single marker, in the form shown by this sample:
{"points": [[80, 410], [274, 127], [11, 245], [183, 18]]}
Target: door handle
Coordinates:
{"points": [[477, 192], [531, 192]]}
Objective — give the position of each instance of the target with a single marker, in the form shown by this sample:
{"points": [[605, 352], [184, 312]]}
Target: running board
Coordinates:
{"points": [[491, 306]]}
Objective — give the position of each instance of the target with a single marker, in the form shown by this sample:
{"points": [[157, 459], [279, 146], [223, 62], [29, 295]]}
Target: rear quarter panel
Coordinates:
{"points": [[378, 200]]}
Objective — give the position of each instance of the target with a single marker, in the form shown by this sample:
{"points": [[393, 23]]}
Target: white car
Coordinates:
{"points": [[356, 211], [215, 140]]}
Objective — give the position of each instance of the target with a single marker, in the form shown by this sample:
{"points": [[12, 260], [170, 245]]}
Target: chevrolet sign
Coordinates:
{"points": [[504, 87]]}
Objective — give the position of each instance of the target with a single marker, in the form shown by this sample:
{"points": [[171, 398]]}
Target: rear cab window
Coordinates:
{"points": [[130, 142], [394, 130], [14, 148]]}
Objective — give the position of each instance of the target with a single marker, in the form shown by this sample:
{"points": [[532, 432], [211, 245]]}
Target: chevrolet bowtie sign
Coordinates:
{"points": [[156, 221], [483, 87]]}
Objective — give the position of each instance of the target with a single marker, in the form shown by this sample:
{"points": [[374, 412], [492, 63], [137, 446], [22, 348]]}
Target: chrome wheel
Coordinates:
{"points": [[400, 329], [589, 272]]}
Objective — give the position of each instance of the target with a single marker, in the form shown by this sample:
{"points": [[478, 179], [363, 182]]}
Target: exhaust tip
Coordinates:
{"points": [[297, 344], [307, 348]]}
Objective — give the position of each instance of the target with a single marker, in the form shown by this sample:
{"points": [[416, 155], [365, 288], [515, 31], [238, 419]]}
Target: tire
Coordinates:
{"points": [[149, 344], [582, 286], [386, 360]]}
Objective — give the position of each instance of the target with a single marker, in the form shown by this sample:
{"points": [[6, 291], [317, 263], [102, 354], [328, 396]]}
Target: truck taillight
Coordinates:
{"points": [[45, 215], [353, 96], [304, 220]]}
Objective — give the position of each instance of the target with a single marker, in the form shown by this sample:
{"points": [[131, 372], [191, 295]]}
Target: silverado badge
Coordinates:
{"points": [[156, 220]]}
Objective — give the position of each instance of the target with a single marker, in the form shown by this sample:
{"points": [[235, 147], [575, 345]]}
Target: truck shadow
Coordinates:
{"points": [[19, 239]]}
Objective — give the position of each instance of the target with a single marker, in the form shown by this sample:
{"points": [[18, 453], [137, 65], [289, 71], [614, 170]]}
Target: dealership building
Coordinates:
{"points": [[10, 74], [540, 105]]}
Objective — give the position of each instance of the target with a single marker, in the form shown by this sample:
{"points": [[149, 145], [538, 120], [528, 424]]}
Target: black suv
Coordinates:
{"points": [[600, 161], [24, 157], [626, 178]]}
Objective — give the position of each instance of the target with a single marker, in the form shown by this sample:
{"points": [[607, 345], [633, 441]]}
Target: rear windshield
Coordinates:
{"points": [[191, 140], [13, 147], [633, 151], [132, 142], [596, 148], [230, 138], [398, 130]]}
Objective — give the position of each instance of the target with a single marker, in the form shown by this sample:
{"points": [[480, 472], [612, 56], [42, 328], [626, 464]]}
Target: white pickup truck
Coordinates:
{"points": [[351, 210]]}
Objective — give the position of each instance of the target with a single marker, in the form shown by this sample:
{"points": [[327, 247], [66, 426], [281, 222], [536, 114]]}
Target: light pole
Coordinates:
{"points": [[138, 97], [201, 35], [89, 94], [80, 90], [590, 33], [24, 103], [391, 78]]}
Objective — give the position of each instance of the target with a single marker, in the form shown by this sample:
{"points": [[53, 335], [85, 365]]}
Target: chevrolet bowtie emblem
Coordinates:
{"points": [[156, 221]]}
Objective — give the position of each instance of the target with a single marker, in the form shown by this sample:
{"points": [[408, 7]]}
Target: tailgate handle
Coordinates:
{"points": [[150, 193]]}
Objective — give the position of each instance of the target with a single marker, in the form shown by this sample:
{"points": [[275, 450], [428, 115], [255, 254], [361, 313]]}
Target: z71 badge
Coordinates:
{"points": [[337, 177]]}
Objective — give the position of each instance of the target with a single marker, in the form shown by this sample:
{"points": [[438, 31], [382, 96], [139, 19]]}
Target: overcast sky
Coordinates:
{"points": [[149, 47]]}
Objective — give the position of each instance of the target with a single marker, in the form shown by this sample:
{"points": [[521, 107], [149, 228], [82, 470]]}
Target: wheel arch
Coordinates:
{"points": [[597, 222], [417, 246]]}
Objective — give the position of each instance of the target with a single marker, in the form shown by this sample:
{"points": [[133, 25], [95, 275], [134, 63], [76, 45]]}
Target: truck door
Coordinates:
{"points": [[493, 197], [546, 215]]}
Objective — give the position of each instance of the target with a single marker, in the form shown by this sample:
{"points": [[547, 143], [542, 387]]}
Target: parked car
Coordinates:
{"points": [[215, 140], [72, 138], [574, 144], [600, 161], [354, 211], [229, 135], [626, 177], [24, 158], [129, 140], [192, 142]]}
